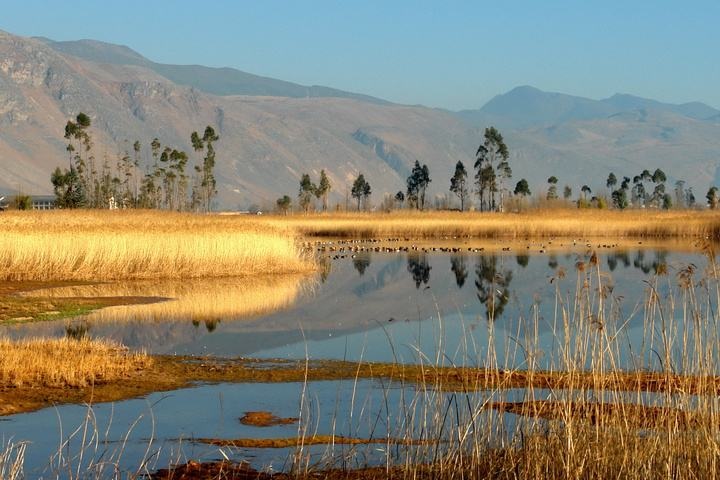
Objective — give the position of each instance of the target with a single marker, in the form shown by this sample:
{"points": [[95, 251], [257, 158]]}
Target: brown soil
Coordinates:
{"points": [[171, 372], [303, 441], [241, 471], [265, 419]]}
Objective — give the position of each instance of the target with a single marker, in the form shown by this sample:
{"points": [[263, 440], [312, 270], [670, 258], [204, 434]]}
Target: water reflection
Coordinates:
{"points": [[493, 285], [371, 310], [361, 262], [419, 268], [656, 264], [522, 260], [199, 301], [459, 268]]}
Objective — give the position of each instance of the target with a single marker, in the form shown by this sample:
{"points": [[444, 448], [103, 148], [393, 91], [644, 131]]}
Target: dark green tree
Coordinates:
{"points": [[283, 204], [567, 192], [611, 181], [417, 184], [712, 197], [205, 188], [458, 184], [323, 189], [552, 189], [307, 190], [586, 191], [69, 190], [619, 198], [666, 201], [491, 155], [400, 198], [360, 190], [522, 188]]}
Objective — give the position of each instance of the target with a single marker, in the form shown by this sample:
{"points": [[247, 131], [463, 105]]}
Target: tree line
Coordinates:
{"points": [[490, 185], [164, 182]]}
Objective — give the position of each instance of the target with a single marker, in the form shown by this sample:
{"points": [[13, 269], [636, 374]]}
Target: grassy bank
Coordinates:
{"points": [[66, 363], [105, 245], [572, 223]]}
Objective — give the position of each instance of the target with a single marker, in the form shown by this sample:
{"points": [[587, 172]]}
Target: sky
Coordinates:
{"points": [[446, 54]]}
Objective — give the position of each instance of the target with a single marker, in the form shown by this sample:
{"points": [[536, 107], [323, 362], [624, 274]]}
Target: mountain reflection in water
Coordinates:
{"points": [[379, 307]]}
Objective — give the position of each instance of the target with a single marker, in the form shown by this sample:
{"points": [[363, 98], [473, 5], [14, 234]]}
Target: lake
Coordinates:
{"points": [[511, 310]]}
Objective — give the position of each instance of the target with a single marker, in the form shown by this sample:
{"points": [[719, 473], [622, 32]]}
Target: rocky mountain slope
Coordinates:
{"points": [[273, 131]]}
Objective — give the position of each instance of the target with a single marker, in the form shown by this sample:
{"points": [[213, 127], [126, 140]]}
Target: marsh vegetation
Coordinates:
{"points": [[415, 361]]}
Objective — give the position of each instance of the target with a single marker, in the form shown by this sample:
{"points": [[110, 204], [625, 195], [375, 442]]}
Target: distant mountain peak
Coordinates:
{"points": [[526, 106]]}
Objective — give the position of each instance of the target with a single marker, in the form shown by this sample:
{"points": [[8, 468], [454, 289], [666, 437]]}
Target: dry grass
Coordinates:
{"points": [[99, 245], [578, 223], [38, 363]]}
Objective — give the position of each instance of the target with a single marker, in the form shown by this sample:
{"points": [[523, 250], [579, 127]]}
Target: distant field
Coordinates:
{"points": [[576, 223], [104, 245]]}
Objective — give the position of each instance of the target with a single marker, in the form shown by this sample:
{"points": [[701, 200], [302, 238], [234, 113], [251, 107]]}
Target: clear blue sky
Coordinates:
{"points": [[451, 54]]}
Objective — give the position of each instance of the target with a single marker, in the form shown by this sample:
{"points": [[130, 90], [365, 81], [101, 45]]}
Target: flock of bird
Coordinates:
{"points": [[338, 249]]}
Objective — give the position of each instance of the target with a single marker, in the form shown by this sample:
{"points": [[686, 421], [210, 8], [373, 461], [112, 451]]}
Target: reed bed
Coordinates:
{"points": [[105, 245], [572, 223], [63, 363]]}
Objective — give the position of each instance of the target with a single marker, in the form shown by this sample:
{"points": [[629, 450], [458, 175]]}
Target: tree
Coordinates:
{"points": [[458, 184], [659, 176], [552, 190], [567, 192], [667, 201], [400, 197], [611, 181], [680, 194], [586, 191], [69, 190], [417, 184], [283, 204], [323, 189], [619, 199], [690, 198], [712, 197], [81, 157], [205, 190], [360, 189], [307, 190], [522, 188], [491, 155]]}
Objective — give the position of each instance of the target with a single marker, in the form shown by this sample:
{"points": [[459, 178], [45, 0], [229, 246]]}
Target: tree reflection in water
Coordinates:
{"points": [[493, 286], [459, 268], [361, 262], [419, 268]]}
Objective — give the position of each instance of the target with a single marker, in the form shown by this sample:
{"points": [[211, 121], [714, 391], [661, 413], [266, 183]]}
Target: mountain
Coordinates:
{"points": [[276, 131], [266, 143], [217, 81], [524, 107], [624, 102]]}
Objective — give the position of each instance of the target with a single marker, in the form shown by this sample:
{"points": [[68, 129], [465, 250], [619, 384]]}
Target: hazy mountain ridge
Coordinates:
{"points": [[216, 81], [526, 106], [267, 142]]}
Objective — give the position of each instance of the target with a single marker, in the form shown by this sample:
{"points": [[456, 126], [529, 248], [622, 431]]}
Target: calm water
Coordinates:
{"points": [[438, 308]]}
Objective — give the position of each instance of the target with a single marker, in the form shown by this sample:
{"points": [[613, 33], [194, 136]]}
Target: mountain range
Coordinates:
{"points": [[273, 131]]}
